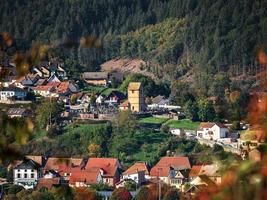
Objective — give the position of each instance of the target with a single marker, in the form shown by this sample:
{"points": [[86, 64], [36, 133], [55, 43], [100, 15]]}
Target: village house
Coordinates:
{"points": [[100, 99], [62, 166], [172, 170], [53, 78], [18, 112], [41, 81], [114, 98], [12, 92], [251, 139], [124, 105], [197, 176], [63, 88], [85, 177], [138, 173], [82, 98], [45, 91], [47, 69], [27, 173], [27, 81], [212, 131], [41, 71], [157, 102], [96, 78], [136, 97], [110, 166], [7, 81], [194, 172]]}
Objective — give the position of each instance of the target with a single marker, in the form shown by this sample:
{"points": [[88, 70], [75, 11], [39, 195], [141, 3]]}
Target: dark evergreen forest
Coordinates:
{"points": [[175, 36]]}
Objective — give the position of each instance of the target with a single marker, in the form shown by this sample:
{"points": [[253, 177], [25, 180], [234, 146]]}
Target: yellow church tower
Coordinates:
{"points": [[136, 97]]}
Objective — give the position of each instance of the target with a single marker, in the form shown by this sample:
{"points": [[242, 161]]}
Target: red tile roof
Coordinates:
{"points": [[86, 176], [124, 104], [37, 159], [195, 171], [210, 125], [108, 165], [43, 87], [61, 87], [138, 166], [62, 165], [163, 167], [206, 125], [47, 182], [54, 84]]}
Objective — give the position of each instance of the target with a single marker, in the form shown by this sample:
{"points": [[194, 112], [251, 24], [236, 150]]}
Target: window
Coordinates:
{"points": [[25, 170], [32, 170], [18, 175], [18, 170], [132, 91], [132, 107], [32, 175], [25, 175]]}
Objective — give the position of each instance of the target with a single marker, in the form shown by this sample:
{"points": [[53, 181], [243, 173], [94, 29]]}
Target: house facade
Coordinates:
{"points": [[114, 98], [173, 171], [45, 91], [110, 166], [12, 92], [211, 171], [136, 97], [95, 78], [84, 178], [212, 131], [62, 166], [138, 173], [27, 174]]}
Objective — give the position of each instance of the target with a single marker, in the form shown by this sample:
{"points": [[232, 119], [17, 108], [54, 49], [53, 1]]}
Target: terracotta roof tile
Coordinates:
{"points": [[138, 166], [62, 165], [195, 171], [108, 165], [43, 87], [85, 176], [163, 167]]}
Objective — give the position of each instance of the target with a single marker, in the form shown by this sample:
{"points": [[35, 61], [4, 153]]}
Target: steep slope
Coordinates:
{"points": [[207, 36]]}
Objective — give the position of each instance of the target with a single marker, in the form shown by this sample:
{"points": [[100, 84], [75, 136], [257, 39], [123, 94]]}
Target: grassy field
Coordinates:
{"points": [[183, 124], [153, 143], [107, 91], [152, 120], [94, 89]]}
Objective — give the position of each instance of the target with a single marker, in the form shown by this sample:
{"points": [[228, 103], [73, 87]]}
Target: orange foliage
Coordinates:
{"points": [[83, 193], [262, 57]]}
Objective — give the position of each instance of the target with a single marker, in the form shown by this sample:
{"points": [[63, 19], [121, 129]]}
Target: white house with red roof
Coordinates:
{"points": [[45, 90], [137, 172], [85, 177], [172, 170], [212, 131], [110, 166], [62, 166]]}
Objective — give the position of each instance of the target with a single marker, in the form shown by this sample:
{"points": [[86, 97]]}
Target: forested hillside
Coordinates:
{"points": [[174, 36]]}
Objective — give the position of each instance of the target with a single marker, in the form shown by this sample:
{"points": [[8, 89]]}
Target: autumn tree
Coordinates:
{"points": [[94, 150], [86, 194], [47, 112], [121, 194], [172, 194]]}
